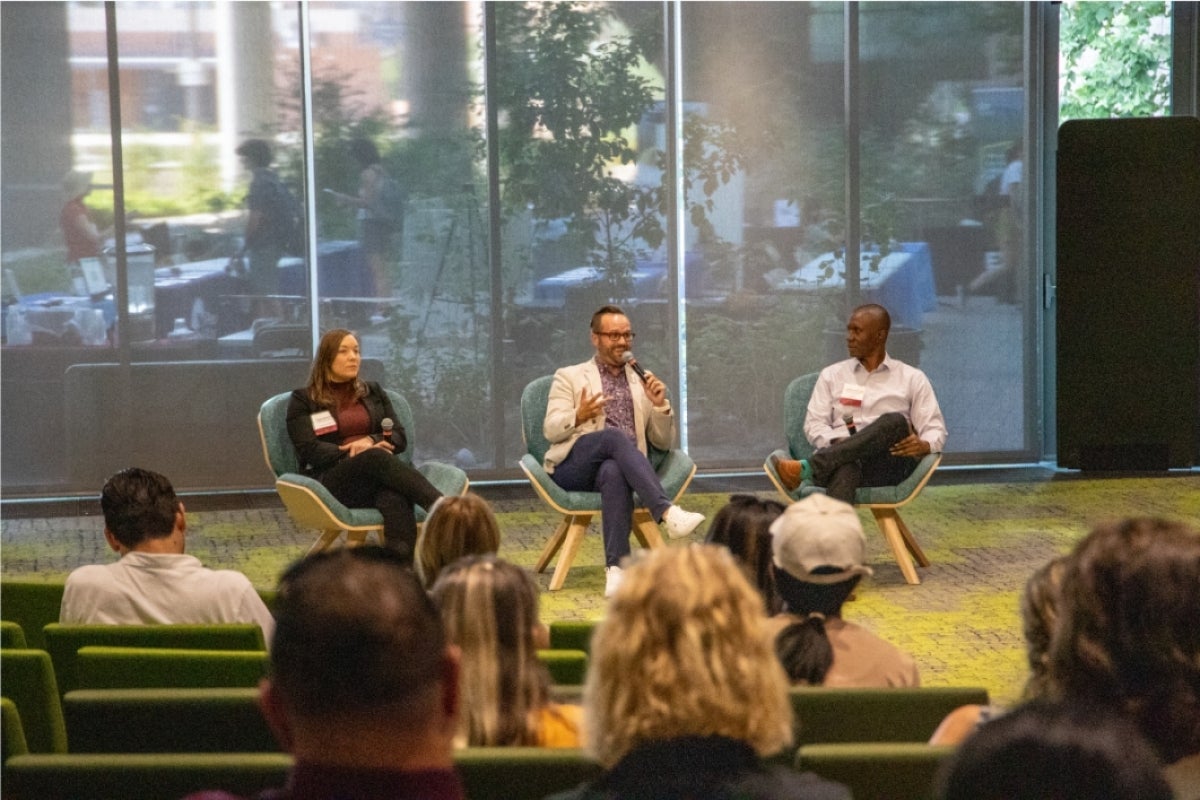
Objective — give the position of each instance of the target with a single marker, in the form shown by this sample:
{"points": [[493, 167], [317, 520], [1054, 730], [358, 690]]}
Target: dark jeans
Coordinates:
{"points": [[609, 463], [377, 479], [863, 459]]}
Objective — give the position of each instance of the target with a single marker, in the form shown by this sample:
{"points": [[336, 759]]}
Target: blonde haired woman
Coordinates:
{"points": [[489, 608], [684, 695], [456, 527]]}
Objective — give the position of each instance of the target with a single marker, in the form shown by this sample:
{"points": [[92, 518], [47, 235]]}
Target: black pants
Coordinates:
{"points": [[375, 478], [863, 459]]}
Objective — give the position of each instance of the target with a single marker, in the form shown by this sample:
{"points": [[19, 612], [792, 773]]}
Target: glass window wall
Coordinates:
{"points": [[151, 336]]}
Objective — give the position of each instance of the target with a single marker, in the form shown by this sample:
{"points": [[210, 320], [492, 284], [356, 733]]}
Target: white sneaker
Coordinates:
{"points": [[612, 580], [681, 523]]}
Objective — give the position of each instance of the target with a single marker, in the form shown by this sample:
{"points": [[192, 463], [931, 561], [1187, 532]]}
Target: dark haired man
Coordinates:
{"points": [[599, 418], [154, 581], [871, 417], [364, 687]]}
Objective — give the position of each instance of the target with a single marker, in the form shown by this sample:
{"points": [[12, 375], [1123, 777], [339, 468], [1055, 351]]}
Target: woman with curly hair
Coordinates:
{"points": [[490, 610], [684, 696], [1128, 636]]}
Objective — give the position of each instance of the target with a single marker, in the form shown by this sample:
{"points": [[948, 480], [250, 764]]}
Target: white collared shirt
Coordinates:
{"points": [[161, 588], [892, 386]]}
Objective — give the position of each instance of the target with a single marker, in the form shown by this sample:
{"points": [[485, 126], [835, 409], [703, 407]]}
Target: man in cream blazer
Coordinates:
{"points": [[599, 418]]}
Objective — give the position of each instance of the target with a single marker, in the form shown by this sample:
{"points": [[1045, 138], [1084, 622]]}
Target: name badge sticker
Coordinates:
{"points": [[852, 395], [323, 422]]}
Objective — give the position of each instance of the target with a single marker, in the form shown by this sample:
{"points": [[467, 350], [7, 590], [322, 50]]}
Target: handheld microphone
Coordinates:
{"points": [[628, 358], [848, 418], [386, 425]]}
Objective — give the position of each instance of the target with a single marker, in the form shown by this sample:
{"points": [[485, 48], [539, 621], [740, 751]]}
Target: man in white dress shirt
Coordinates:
{"points": [[154, 581], [871, 418]]}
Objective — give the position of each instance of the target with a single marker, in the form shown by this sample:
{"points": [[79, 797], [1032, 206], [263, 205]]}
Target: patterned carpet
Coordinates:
{"points": [[961, 624]]}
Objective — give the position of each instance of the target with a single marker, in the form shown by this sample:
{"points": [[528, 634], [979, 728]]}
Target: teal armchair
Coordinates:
{"points": [[674, 467], [311, 505], [883, 501]]}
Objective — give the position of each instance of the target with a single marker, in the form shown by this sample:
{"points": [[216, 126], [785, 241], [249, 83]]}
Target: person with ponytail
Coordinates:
{"points": [[818, 550]]}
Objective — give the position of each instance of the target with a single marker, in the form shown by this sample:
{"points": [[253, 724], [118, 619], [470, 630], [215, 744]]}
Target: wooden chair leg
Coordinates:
{"points": [[887, 520], [356, 538], [574, 538], [327, 539], [646, 530], [553, 544], [911, 541]]}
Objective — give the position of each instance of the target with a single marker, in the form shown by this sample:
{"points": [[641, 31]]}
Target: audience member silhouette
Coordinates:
{"points": [[490, 610], [457, 526], [1048, 751], [684, 696], [819, 549], [743, 525], [364, 686], [1128, 636]]}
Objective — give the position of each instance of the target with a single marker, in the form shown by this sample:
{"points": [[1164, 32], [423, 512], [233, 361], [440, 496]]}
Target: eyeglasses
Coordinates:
{"points": [[617, 337]]}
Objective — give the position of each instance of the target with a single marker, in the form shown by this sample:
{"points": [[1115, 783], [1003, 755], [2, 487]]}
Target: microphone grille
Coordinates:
{"points": [[627, 356], [386, 423]]}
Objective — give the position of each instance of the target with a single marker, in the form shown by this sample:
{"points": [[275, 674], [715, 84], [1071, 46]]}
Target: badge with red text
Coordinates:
{"points": [[323, 423], [852, 395]]}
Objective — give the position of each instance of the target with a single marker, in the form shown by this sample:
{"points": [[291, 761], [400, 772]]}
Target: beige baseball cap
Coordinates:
{"points": [[819, 531]]}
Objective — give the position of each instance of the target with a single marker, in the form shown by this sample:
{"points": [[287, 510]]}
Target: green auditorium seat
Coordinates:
{"points": [[878, 770], [166, 720], [567, 667], [27, 679], [499, 773], [161, 668], [572, 634], [31, 604], [13, 730], [142, 776], [827, 715], [522, 773], [63, 641], [12, 635]]}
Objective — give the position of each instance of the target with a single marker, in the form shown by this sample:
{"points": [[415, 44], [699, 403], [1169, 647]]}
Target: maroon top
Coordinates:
{"points": [[321, 782], [353, 419]]}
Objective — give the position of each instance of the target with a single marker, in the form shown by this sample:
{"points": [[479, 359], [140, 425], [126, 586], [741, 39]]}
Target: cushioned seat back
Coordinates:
{"points": [[876, 715], [13, 732], [12, 635], [572, 634], [566, 667], [278, 449], [522, 773], [143, 776], [31, 604], [63, 641], [878, 771], [27, 678], [795, 407], [404, 417], [156, 667], [167, 721], [534, 399]]}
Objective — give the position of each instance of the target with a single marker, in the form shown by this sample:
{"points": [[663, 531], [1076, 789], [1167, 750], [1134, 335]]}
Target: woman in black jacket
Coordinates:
{"points": [[335, 422]]}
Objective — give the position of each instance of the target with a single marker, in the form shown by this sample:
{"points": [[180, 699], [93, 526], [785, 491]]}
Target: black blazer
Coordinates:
{"points": [[319, 453]]}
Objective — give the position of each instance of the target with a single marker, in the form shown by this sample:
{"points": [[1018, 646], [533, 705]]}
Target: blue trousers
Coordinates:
{"points": [[863, 459], [609, 463]]}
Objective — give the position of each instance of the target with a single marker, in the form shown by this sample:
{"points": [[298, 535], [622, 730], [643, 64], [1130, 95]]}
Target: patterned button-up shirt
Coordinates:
{"points": [[618, 411]]}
